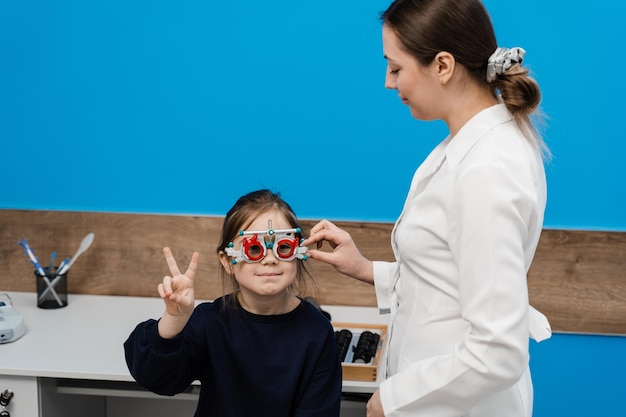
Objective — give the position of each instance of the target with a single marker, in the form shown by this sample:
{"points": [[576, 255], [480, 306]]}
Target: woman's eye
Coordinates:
{"points": [[394, 71]]}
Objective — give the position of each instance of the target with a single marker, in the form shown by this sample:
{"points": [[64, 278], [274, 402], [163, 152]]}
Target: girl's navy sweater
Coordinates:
{"points": [[248, 365]]}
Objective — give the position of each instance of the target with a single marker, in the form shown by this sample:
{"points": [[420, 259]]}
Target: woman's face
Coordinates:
{"points": [[417, 85]]}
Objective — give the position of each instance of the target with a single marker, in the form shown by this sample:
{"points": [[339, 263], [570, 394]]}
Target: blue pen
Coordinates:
{"points": [[32, 257], [60, 270], [52, 258]]}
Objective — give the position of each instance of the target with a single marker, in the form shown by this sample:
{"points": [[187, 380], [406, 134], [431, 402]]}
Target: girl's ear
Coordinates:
{"points": [[444, 66], [226, 262]]}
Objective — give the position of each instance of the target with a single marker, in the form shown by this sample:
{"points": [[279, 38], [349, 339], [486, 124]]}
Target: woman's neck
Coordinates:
{"points": [[467, 109], [464, 98]]}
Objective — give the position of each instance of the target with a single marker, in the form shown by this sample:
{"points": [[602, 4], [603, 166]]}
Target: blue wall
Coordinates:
{"points": [[180, 107], [177, 107], [579, 376]]}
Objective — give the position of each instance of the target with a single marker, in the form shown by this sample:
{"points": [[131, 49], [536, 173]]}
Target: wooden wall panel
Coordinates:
{"points": [[578, 278], [126, 257]]}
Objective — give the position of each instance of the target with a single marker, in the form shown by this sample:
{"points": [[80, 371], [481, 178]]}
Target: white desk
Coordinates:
{"points": [[83, 341]]}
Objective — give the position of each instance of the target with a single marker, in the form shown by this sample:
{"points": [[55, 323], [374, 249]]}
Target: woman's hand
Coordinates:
{"points": [[177, 293], [375, 406], [345, 257]]}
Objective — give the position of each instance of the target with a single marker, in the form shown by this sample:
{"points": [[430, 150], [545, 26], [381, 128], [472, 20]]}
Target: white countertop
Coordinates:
{"points": [[84, 339]]}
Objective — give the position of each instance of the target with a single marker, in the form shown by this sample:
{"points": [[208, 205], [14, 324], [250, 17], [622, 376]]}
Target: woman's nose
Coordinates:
{"points": [[390, 79], [390, 82]]}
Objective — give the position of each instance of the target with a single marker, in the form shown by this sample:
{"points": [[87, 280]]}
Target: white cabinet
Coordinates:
{"points": [[70, 398], [25, 401]]}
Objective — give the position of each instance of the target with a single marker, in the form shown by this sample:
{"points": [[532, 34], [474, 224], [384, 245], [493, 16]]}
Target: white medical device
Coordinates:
{"points": [[12, 325]]}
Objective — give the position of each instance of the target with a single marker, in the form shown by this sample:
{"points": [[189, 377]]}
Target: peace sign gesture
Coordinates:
{"points": [[177, 293]]}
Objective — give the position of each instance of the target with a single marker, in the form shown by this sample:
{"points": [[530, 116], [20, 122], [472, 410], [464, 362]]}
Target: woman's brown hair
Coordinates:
{"points": [[464, 29]]}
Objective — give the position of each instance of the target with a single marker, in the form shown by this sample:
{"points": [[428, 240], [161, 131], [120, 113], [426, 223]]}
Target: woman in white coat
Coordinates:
{"points": [[457, 292]]}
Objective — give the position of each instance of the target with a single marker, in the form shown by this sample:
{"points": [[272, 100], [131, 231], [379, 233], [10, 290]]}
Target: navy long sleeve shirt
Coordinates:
{"points": [[248, 365]]}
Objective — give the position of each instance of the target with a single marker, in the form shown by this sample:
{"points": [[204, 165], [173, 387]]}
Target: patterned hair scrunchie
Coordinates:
{"points": [[502, 59]]}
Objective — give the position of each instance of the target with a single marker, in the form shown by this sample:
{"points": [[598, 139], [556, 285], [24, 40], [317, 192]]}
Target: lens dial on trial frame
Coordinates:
{"points": [[286, 245]]}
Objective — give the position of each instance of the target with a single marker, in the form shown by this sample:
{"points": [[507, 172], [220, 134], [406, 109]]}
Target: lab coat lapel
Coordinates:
{"points": [[423, 174]]}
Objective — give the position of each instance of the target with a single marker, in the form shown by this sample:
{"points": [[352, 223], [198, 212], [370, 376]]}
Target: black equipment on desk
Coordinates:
{"points": [[366, 347], [343, 339]]}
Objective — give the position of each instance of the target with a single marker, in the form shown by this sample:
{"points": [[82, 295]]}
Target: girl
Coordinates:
{"points": [[257, 351]]}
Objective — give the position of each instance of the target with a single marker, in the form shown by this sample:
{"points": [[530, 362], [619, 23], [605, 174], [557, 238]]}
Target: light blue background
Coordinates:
{"points": [[181, 107]]}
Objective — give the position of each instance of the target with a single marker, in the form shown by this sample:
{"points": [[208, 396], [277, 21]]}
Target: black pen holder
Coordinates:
{"points": [[51, 289]]}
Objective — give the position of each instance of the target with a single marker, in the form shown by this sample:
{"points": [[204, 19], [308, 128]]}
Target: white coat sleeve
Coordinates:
{"points": [[383, 275]]}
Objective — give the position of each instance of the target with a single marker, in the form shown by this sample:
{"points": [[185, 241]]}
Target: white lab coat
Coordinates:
{"points": [[457, 293]]}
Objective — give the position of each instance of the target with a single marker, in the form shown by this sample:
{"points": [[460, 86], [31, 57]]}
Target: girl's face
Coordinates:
{"points": [[417, 85], [269, 276]]}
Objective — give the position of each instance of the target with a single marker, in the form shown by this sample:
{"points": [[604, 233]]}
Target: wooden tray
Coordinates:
{"points": [[361, 371]]}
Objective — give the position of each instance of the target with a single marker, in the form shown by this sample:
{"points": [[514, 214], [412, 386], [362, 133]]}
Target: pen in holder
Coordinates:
{"points": [[51, 289]]}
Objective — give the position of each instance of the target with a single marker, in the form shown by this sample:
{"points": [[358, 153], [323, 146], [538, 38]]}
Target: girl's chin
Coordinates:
{"points": [[268, 288]]}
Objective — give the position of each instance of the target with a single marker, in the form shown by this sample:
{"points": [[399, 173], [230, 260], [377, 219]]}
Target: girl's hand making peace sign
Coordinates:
{"points": [[177, 293]]}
